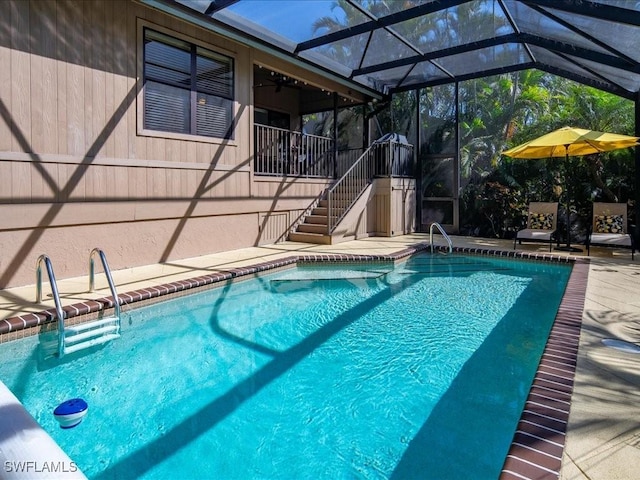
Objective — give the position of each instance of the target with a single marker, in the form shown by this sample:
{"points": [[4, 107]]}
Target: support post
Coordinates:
{"points": [[456, 166], [335, 134], [637, 183], [417, 173]]}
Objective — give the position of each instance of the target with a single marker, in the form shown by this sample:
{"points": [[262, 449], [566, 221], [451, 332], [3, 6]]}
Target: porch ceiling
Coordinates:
{"points": [[382, 47]]}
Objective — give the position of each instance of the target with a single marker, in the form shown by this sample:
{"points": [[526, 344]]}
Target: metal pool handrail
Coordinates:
{"points": [[56, 297], [444, 234], [107, 272]]}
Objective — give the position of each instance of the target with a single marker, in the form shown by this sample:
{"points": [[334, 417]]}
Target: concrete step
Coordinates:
{"points": [[312, 228], [336, 203], [310, 238], [345, 196], [316, 219], [322, 211]]}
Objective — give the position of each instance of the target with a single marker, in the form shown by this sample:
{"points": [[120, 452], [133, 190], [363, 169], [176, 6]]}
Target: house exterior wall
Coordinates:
{"points": [[77, 170]]}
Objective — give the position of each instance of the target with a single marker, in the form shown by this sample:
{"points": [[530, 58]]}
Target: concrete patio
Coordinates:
{"points": [[603, 439]]}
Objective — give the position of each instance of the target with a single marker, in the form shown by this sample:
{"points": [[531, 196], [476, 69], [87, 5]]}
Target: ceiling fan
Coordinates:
{"points": [[279, 81]]}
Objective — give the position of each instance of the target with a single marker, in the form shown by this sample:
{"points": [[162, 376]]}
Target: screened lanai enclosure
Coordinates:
{"points": [[413, 60]]}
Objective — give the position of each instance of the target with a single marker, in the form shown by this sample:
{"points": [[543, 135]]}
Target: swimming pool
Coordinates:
{"points": [[362, 372]]}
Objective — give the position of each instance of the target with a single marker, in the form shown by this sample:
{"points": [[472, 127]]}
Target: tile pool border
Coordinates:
{"points": [[32, 320], [9, 327], [538, 443]]}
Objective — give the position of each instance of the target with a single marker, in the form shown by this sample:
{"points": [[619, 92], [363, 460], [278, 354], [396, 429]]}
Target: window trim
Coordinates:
{"points": [[142, 25]]}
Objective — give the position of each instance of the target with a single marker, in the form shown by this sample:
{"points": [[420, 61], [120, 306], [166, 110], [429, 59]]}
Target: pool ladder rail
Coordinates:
{"points": [[77, 337], [444, 234]]}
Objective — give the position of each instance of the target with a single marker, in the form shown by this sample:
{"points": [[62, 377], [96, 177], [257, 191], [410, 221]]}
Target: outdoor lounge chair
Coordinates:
{"points": [[609, 227], [541, 224]]}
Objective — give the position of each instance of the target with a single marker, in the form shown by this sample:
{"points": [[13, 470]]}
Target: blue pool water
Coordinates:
{"points": [[372, 372]]}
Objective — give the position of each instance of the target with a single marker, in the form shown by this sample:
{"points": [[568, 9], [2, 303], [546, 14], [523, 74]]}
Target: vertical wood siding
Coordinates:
{"points": [[70, 143], [272, 227]]}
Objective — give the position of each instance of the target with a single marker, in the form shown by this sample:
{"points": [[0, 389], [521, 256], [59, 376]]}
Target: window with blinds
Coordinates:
{"points": [[187, 89]]}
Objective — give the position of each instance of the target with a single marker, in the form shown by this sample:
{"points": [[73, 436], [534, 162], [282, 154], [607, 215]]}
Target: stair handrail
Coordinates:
{"points": [[377, 159], [107, 273], [444, 234], [56, 296], [333, 214]]}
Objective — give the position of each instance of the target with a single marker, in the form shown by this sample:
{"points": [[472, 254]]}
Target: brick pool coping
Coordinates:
{"points": [[538, 443]]}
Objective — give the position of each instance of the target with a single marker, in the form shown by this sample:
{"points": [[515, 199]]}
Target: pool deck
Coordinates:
{"points": [[603, 434]]}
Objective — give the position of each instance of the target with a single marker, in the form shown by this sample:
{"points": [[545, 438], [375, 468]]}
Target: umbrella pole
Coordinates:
{"points": [[567, 247]]}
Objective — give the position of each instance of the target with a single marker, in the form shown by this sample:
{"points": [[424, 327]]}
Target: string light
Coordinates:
{"points": [[295, 81]]}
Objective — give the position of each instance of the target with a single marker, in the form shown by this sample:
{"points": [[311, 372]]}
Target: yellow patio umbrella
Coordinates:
{"points": [[569, 141]]}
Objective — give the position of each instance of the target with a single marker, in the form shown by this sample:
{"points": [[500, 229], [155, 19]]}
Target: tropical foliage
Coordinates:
{"points": [[464, 128], [500, 112]]}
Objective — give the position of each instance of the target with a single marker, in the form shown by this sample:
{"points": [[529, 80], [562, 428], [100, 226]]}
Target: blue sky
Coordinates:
{"points": [[297, 26]]}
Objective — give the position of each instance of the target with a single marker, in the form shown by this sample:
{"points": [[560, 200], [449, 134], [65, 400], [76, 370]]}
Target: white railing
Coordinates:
{"points": [[346, 190], [397, 159], [386, 159], [284, 152], [346, 158]]}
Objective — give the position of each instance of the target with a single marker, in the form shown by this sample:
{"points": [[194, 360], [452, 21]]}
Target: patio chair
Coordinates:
{"points": [[541, 224], [609, 227]]}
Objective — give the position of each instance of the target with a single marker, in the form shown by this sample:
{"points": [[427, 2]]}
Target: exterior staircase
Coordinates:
{"points": [[315, 227], [330, 220], [325, 228]]}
